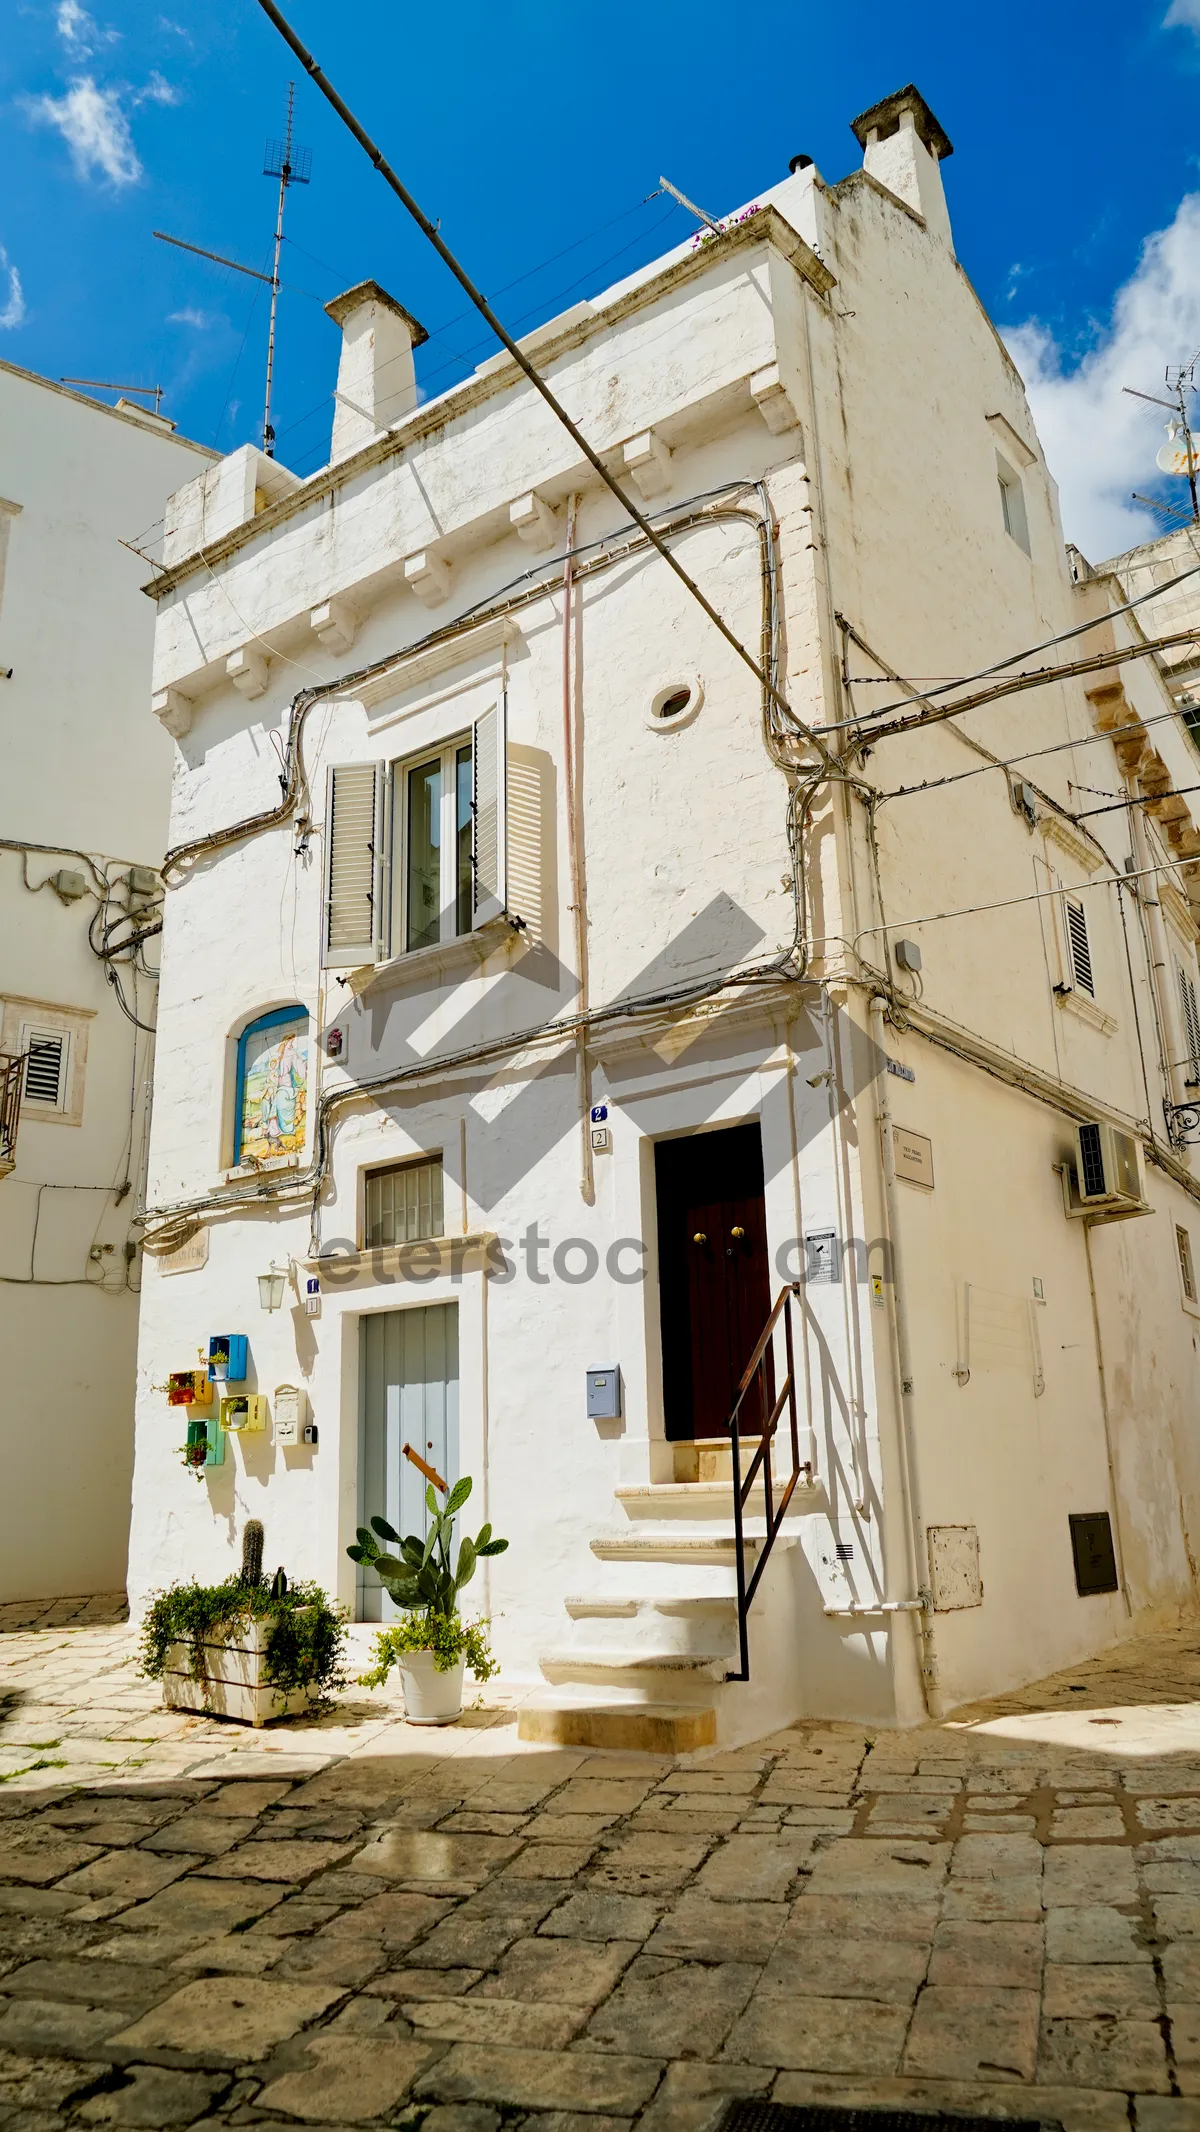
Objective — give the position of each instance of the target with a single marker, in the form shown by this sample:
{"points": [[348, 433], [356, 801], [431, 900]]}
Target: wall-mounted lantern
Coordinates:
{"points": [[270, 1287]]}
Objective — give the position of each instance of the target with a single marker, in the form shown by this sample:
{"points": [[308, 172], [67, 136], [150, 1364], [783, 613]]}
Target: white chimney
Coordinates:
{"points": [[376, 382], [903, 146]]}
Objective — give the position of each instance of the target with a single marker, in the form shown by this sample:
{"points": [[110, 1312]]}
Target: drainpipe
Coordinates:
{"points": [[909, 1464], [1161, 977], [587, 1180]]}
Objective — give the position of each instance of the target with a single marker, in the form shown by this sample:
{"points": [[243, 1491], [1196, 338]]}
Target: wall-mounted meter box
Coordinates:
{"points": [[604, 1394], [205, 1444], [227, 1358], [244, 1413], [189, 1388], [291, 1413]]}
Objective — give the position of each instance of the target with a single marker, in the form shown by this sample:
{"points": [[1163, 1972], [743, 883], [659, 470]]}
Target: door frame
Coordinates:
{"points": [[655, 1352], [470, 1294], [362, 1509]]}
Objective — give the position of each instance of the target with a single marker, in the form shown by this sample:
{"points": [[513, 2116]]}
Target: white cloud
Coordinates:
{"points": [[79, 32], [1182, 15], [1100, 444], [202, 320], [156, 91], [12, 306], [94, 125]]}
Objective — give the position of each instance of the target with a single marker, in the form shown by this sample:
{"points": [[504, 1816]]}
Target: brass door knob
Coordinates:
{"points": [[739, 1233], [700, 1237]]}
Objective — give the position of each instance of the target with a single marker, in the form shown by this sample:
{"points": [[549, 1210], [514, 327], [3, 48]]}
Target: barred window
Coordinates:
{"points": [[403, 1203]]}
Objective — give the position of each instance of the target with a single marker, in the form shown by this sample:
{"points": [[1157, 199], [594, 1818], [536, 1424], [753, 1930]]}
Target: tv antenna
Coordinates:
{"points": [[1178, 454], [154, 392], [292, 165]]}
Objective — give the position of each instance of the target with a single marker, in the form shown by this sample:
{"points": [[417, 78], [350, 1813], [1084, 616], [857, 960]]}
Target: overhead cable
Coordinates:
{"points": [[431, 232]]}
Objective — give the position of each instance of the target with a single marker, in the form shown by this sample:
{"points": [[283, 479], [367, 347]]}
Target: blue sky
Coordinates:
{"points": [[535, 135]]}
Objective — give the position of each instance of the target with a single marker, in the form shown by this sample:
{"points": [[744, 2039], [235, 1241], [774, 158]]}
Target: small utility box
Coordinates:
{"points": [[604, 1394]]}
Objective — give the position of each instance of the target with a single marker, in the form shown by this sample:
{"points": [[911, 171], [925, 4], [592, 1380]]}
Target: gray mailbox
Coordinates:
{"points": [[604, 1394]]}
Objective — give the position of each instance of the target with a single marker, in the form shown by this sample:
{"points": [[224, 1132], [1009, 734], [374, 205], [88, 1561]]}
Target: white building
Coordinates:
{"points": [[84, 805], [556, 1019]]}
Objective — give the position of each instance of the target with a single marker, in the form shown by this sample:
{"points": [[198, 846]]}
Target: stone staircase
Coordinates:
{"points": [[644, 1658]]}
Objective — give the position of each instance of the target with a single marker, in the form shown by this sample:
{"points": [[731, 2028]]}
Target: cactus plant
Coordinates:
{"points": [[252, 1552], [422, 1575]]}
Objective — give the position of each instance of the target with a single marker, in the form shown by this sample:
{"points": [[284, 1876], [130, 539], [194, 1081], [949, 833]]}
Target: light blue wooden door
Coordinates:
{"points": [[409, 1374]]}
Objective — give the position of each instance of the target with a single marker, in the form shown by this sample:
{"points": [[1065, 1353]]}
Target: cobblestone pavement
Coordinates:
{"points": [[352, 1921]]}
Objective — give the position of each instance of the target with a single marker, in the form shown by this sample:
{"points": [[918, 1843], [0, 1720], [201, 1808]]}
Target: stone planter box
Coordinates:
{"points": [[235, 1685]]}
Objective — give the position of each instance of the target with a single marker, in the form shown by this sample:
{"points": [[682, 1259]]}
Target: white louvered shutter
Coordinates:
{"points": [[489, 887], [354, 865], [1191, 1022], [1078, 947]]}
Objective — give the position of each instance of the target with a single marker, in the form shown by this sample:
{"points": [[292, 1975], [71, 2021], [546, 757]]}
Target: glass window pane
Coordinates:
{"points": [[404, 1204], [462, 898], [424, 855]]}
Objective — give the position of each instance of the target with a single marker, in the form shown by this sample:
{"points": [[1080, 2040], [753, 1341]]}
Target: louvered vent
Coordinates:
{"points": [[1081, 954], [44, 1069]]}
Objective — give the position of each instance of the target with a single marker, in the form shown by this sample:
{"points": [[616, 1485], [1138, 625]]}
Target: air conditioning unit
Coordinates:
{"points": [[1108, 1167]]}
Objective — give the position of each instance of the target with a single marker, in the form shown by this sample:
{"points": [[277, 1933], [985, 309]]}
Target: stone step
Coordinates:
{"points": [[700, 1501], [559, 1719], [643, 1622], [709, 1459]]}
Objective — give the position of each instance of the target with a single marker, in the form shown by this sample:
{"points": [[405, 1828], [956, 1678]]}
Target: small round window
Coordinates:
{"points": [[676, 704]]}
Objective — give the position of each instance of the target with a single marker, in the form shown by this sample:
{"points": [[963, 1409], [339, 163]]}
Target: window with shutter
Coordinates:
{"points": [[46, 1067], [353, 891], [1191, 1024], [1078, 948]]}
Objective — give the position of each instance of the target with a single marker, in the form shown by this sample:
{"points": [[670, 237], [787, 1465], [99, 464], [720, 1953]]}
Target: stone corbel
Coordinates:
{"points": [[174, 710], [428, 576], [247, 669], [334, 624], [772, 400], [533, 522], [646, 459]]}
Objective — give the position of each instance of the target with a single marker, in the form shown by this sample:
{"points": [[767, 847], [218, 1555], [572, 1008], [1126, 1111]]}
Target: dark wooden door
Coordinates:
{"points": [[714, 1279]]}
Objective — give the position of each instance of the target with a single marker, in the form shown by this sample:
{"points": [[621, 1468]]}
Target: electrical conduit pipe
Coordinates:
{"points": [[909, 1462]]}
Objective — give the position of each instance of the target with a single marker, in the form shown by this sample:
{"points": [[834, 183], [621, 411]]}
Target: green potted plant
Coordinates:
{"points": [[431, 1645], [246, 1648]]}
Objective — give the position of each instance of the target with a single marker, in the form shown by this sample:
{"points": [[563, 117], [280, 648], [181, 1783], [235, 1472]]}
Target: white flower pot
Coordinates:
{"points": [[430, 1697]]}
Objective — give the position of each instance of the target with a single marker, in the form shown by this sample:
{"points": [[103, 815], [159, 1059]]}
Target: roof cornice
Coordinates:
{"points": [[766, 226]]}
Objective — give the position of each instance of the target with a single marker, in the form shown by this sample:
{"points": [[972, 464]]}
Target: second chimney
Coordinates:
{"points": [[376, 382]]}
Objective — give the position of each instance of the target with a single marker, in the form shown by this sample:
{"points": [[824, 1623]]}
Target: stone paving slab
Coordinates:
{"points": [[344, 1922]]}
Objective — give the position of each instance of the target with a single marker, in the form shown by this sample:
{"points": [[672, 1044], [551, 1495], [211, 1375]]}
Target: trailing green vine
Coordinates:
{"points": [[448, 1636], [305, 1646]]}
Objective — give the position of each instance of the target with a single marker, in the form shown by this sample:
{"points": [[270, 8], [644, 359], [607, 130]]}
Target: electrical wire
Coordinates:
{"points": [[1078, 629], [1012, 762], [431, 232]]}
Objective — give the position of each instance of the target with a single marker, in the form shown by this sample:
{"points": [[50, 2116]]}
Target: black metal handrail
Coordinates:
{"points": [[760, 1371]]}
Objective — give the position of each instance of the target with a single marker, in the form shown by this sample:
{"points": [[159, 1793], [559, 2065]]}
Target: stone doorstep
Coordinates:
{"points": [[638, 1728]]}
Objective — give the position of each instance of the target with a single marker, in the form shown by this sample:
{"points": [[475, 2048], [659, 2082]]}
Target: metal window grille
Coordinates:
{"points": [[404, 1203], [1079, 949], [45, 1067]]}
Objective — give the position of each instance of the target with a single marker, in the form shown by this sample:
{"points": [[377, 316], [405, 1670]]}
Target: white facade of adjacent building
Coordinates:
{"points": [[554, 1022], [84, 804]]}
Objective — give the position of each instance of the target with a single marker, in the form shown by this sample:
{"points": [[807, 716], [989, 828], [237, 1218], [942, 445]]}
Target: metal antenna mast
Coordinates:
{"points": [[292, 166], [1180, 379]]}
